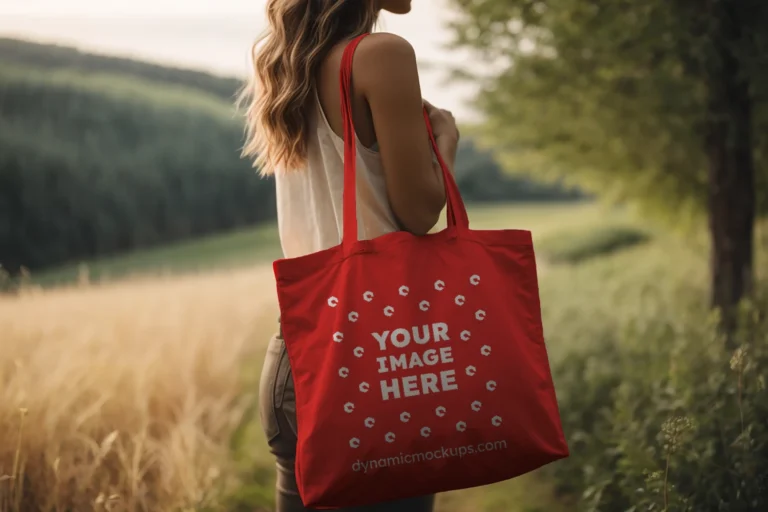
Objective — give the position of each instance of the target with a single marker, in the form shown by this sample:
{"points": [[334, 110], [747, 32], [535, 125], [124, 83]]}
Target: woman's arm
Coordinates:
{"points": [[385, 72]]}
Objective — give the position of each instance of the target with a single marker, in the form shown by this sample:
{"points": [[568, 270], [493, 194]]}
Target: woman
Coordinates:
{"points": [[295, 131]]}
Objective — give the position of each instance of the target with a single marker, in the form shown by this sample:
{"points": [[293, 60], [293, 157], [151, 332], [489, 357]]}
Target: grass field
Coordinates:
{"points": [[235, 249], [261, 245], [139, 394]]}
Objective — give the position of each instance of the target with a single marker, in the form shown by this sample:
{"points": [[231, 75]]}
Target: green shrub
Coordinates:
{"points": [[633, 347], [665, 418], [582, 244]]}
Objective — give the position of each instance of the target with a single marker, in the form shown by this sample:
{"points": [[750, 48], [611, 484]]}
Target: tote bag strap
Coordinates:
{"points": [[456, 212]]}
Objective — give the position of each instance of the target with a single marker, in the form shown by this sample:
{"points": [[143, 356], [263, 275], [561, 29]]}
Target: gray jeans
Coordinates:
{"points": [[278, 417]]}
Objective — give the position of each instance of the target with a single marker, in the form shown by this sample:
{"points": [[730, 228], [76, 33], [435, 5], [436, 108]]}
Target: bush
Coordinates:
{"points": [[666, 418], [577, 246], [637, 359]]}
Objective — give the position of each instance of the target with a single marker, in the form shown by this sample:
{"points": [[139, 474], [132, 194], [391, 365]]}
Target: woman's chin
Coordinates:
{"points": [[397, 6]]}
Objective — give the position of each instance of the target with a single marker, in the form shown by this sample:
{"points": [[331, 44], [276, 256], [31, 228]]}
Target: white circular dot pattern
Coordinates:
{"points": [[441, 412]]}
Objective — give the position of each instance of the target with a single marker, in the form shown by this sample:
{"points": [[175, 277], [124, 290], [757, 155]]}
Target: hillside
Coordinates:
{"points": [[96, 162], [103, 155], [51, 57]]}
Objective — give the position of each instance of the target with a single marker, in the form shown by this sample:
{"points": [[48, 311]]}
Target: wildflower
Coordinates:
{"points": [[739, 359], [673, 431], [653, 476]]}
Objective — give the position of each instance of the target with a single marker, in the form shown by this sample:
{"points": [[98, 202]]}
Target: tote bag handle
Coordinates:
{"points": [[456, 212]]}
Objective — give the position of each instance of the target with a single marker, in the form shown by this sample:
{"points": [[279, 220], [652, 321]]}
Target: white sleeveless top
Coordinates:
{"points": [[309, 200]]}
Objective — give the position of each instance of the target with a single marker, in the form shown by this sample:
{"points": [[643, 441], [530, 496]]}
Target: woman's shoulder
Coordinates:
{"points": [[385, 45], [377, 57], [385, 60]]}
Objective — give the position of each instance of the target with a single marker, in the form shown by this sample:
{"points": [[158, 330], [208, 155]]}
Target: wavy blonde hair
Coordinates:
{"points": [[285, 62]]}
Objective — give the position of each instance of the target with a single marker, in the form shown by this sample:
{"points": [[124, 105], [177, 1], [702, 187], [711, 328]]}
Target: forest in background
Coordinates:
{"points": [[102, 155]]}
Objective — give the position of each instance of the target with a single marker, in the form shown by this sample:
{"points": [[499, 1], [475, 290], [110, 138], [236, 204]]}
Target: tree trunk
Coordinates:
{"points": [[731, 171]]}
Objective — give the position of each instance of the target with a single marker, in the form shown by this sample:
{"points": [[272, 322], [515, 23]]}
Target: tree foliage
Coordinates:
{"points": [[610, 94]]}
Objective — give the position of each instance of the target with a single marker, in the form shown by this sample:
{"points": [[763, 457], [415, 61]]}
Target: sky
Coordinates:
{"points": [[216, 35]]}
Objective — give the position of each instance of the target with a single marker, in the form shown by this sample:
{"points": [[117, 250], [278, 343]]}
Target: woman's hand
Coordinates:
{"points": [[446, 133], [443, 123]]}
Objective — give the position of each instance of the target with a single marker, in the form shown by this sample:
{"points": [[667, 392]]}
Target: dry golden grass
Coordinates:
{"points": [[131, 390], [131, 393]]}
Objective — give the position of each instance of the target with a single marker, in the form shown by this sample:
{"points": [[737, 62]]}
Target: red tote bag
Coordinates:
{"points": [[418, 361]]}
